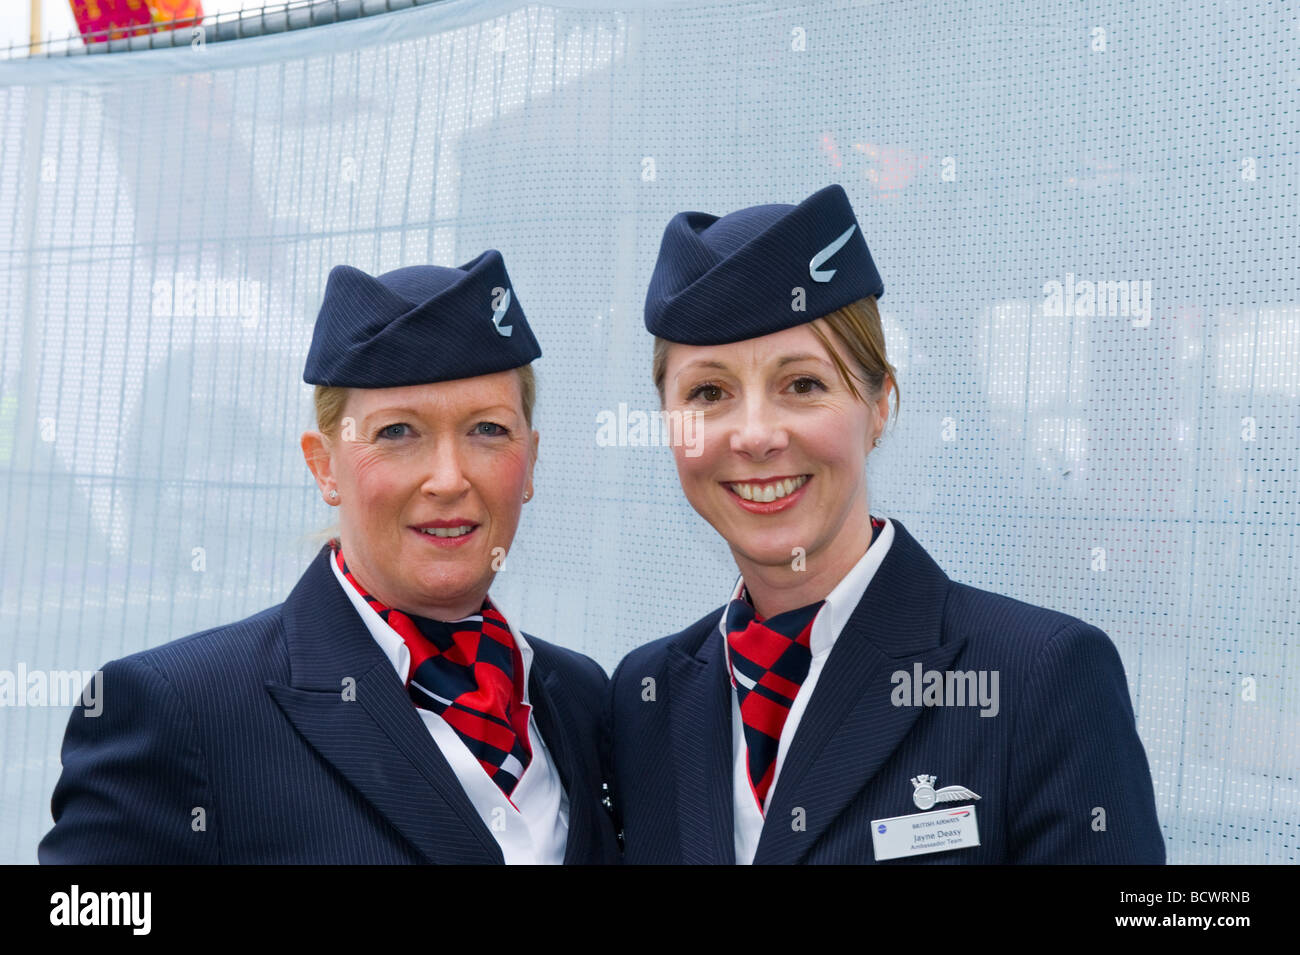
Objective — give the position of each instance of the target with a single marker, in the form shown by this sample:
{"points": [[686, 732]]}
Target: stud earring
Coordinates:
{"points": [[527, 495], [334, 495], [876, 442]]}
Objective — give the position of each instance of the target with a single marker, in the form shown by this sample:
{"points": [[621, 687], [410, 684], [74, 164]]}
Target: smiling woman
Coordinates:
{"points": [[387, 711], [778, 722], [802, 402]]}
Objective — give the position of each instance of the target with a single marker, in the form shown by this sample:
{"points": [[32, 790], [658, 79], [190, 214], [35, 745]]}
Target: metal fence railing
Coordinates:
{"points": [[213, 28]]}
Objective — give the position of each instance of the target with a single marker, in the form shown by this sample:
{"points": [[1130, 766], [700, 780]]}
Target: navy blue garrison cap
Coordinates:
{"points": [[720, 280], [417, 325]]}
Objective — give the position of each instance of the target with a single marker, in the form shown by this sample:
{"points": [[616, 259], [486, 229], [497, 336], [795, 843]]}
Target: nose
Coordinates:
{"points": [[760, 432], [445, 476]]}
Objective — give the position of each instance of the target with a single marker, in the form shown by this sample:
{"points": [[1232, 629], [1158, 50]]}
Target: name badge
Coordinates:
{"points": [[924, 832]]}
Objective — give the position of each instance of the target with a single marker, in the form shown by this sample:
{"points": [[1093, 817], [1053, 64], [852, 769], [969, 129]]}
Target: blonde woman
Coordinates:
{"points": [[386, 712], [848, 702]]}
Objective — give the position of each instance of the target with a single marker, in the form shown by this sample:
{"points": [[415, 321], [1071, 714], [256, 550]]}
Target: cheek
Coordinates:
{"points": [[840, 442], [694, 470], [502, 477], [373, 477], [699, 447]]}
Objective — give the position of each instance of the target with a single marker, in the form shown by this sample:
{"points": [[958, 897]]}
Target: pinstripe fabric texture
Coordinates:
{"points": [[1062, 745], [288, 738]]}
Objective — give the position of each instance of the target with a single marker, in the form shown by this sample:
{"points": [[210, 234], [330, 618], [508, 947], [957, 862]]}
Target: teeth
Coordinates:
{"points": [[764, 493], [448, 531]]}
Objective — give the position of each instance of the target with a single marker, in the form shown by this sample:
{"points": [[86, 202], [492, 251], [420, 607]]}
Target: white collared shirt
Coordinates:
{"points": [[532, 825], [827, 626]]}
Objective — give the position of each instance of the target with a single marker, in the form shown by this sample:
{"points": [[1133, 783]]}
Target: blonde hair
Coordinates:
{"points": [[331, 399], [858, 330]]}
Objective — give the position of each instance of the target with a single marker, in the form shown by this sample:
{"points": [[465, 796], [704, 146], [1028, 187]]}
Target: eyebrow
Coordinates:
{"points": [[701, 363], [721, 366], [791, 359], [416, 413]]}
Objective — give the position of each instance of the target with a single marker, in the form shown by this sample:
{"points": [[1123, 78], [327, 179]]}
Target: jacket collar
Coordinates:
{"points": [[348, 703]]}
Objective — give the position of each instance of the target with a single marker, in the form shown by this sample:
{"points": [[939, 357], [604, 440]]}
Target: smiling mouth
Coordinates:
{"points": [[459, 531], [764, 492]]}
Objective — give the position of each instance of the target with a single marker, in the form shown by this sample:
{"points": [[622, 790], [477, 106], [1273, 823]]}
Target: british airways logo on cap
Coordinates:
{"points": [[818, 260]]}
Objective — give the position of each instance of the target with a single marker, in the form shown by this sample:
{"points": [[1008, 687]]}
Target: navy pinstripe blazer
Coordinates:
{"points": [[1062, 744], [248, 723]]}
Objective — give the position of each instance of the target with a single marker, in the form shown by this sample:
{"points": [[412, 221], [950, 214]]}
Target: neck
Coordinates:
{"points": [[439, 615], [778, 588], [444, 612]]}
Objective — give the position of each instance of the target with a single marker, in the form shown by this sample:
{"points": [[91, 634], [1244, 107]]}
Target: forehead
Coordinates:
{"points": [[440, 397], [751, 352]]}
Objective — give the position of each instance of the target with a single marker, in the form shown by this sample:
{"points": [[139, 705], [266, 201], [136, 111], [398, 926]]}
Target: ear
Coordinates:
{"points": [[316, 452], [532, 463], [881, 409]]}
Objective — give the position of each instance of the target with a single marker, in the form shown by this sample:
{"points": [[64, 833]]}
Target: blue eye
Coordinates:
{"points": [[392, 431], [489, 426]]}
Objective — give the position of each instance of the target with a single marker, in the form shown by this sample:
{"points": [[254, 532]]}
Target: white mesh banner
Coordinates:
{"points": [[1086, 220]]}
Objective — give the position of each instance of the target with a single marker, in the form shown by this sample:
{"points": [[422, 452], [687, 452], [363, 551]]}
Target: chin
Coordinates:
{"points": [[441, 583], [769, 548], [766, 555]]}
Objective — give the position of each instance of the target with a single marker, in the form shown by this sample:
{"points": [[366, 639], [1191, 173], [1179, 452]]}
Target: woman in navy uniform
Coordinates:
{"points": [[849, 703], [386, 712]]}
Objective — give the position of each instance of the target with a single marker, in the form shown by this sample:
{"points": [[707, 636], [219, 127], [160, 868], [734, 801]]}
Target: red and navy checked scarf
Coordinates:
{"points": [[470, 672], [769, 660]]}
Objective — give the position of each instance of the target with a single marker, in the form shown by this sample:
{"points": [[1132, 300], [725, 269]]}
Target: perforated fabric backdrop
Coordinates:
{"points": [[168, 219]]}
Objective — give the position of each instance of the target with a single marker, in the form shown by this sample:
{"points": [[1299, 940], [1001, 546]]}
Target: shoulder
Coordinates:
{"points": [[997, 622], [998, 632], [252, 647], [1043, 657], [141, 742]]}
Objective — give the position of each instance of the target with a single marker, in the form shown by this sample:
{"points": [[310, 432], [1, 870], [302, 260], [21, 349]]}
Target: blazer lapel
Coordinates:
{"points": [[376, 740], [700, 726], [851, 725], [553, 721]]}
